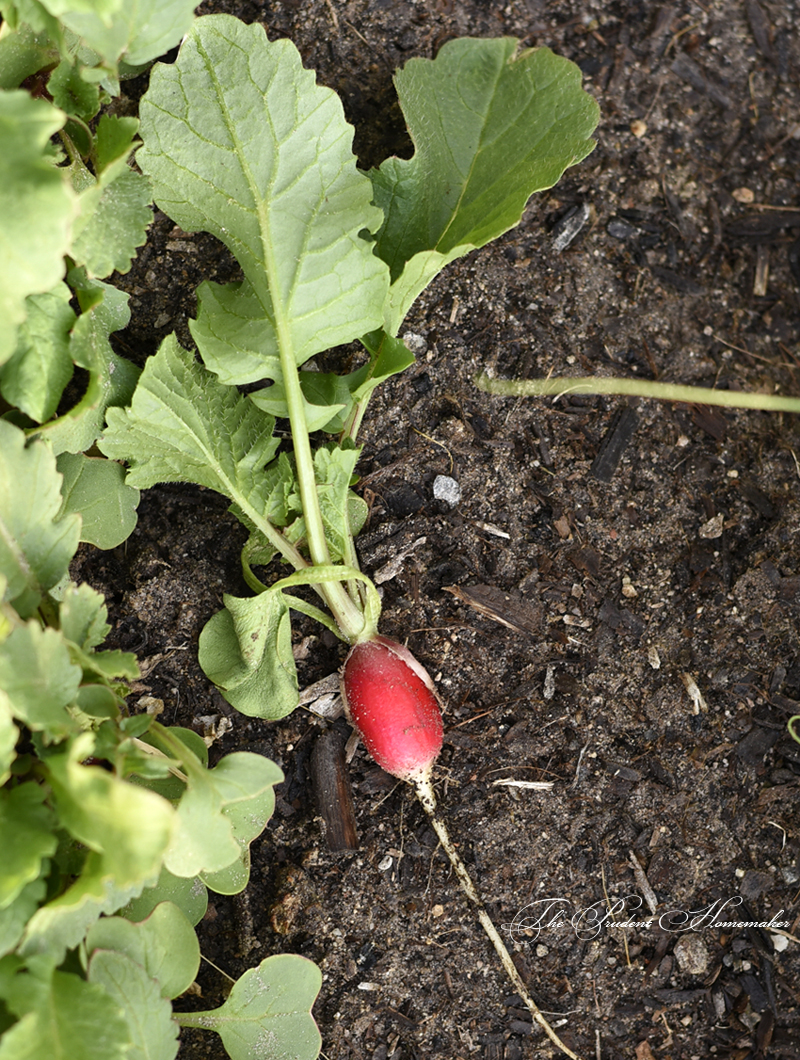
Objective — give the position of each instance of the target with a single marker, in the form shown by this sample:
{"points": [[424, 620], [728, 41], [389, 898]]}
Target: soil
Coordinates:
{"points": [[646, 555]]}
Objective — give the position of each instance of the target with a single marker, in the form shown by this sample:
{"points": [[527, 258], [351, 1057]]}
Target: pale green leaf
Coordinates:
{"points": [[9, 734], [246, 650], [36, 544], [36, 205], [241, 142], [113, 220], [35, 375], [187, 893], [491, 125], [71, 93], [14, 917], [165, 945], [96, 490], [60, 925], [39, 678], [111, 378], [26, 838], [140, 31], [82, 616], [73, 1019], [129, 825], [22, 53], [152, 1033], [268, 1012], [233, 878]]}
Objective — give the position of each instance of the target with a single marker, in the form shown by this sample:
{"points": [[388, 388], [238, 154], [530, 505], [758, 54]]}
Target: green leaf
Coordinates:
{"points": [[22, 53], [113, 142], [246, 650], [268, 1012], [187, 893], [82, 616], [152, 1033], [211, 831], [241, 142], [95, 489], [73, 1018], [62, 923], [14, 917], [9, 734], [26, 838], [39, 678], [111, 378], [140, 31], [35, 375], [329, 397], [343, 512], [129, 825], [36, 543], [246, 782], [36, 205], [183, 426], [113, 221], [71, 93], [491, 125], [164, 945]]}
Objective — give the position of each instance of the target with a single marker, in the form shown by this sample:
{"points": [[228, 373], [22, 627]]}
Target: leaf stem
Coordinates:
{"points": [[348, 616], [696, 395]]}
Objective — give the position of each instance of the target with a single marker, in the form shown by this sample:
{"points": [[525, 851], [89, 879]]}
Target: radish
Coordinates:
{"points": [[391, 701]]}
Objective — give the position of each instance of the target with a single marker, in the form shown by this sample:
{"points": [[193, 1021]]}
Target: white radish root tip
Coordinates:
{"points": [[426, 796]]}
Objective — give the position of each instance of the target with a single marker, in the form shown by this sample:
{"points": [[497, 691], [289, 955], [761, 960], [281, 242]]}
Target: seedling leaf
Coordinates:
{"points": [[188, 894], [152, 1034], [95, 489], [268, 1012], [26, 838], [491, 126], [241, 142], [39, 678], [164, 945], [246, 650]]}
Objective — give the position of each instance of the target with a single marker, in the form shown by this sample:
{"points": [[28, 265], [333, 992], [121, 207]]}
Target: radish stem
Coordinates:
{"points": [[425, 794]]}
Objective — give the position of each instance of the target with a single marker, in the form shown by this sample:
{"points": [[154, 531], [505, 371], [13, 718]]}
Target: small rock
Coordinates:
{"points": [[691, 954], [639, 128], [446, 489], [743, 195], [416, 343]]}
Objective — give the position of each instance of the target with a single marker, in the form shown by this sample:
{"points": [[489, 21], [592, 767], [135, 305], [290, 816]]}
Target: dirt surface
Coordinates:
{"points": [[648, 555]]}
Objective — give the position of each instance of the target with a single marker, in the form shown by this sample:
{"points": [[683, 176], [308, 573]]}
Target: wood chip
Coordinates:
{"points": [[332, 791], [614, 443], [507, 609], [643, 883]]}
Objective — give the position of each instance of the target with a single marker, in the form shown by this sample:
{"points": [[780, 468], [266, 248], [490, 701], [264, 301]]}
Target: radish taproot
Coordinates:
{"points": [[391, 701]]}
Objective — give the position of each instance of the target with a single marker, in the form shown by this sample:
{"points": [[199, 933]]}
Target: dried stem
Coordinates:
{"points": [[426, 796]]}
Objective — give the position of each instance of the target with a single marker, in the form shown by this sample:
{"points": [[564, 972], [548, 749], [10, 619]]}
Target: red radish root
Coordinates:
{"points": [[390, 699]]}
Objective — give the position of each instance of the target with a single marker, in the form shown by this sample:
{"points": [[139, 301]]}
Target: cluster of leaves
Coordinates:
{"points": [[74, 211], [105, 813], [240, 141]]}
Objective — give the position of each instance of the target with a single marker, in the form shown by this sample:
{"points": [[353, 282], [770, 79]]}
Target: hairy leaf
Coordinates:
{"points": [[241, 142]]}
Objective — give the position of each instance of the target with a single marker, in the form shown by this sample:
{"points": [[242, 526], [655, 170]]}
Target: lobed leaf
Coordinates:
{"points": [[26, 838], [491, 125], [70, 1018], [40, 679], [241, 142]]}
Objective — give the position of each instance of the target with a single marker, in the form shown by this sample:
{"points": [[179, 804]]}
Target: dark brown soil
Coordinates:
{"points": [[653, 550]]}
